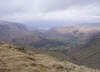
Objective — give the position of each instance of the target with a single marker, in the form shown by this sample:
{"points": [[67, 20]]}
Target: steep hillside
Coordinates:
{"points": [[10, 31], [88, 54], [16, 60]]}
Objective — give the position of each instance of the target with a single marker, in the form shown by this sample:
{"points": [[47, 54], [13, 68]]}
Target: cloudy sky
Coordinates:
{"points": [[48, 10]]}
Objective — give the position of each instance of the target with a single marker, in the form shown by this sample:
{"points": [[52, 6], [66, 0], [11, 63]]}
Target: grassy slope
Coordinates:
{"points": [[12, 60]]}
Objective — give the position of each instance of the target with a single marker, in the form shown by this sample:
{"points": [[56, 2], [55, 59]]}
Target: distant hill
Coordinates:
{"points": [[14, 59], [9, 30], [16, 33], [20, 34], [77, 33]]}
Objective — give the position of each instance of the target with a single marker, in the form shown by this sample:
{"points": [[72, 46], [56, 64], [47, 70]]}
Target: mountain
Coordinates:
{"points": [[71, 36], [63, 36], [73, 32], [88, 54], [14, 59], [10, 30], [19, 34]]}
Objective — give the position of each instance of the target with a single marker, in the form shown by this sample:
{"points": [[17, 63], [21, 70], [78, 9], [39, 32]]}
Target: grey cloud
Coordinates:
{"points": [[28, 9], [45, 5]]}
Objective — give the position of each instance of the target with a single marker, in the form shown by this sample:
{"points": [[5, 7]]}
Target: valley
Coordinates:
{"points": [[77, 44]]}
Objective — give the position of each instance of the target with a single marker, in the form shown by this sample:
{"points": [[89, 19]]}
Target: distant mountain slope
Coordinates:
{"points": [[9, 30], [73, 35], [72, 32], [88, 54], [14, 60], [17, 33]]}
